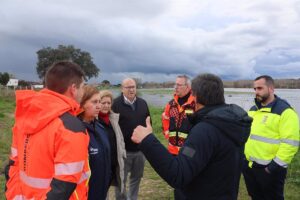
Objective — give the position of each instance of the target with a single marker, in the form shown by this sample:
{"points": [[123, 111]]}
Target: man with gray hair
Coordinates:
{"points": [[174, 118], [133, 111], [175, 123], [209, 164]]}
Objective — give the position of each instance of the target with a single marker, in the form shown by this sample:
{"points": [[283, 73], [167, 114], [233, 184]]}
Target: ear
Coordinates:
{"points": [[271, 88], [73, 90]]}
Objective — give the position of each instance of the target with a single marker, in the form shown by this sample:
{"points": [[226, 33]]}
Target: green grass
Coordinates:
{"points": [[152, 186], [7, 106]]}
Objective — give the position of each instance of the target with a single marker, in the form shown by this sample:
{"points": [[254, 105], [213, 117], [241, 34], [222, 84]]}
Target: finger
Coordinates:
{"points": [[148, 123]]}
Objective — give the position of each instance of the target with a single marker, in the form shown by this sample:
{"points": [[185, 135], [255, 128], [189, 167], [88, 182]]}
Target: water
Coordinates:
{"points": [[243, 97]]}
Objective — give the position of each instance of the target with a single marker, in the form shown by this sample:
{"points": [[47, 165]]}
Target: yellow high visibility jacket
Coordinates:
{"points": [[274, 137]]}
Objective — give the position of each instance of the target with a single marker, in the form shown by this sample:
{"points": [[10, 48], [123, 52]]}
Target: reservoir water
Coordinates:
{"points": [[243, 97]]}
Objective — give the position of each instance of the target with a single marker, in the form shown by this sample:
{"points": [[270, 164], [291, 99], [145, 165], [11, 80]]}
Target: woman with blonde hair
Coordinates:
{"points": [[99, 146], [110, 121]]}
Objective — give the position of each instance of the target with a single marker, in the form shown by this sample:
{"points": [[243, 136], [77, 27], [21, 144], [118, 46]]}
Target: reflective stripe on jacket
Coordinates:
{"points": [[49, 148], [177, 122], [274, 134]]}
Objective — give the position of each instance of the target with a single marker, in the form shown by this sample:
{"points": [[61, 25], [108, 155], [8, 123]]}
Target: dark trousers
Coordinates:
{"points": [[262, 185]]}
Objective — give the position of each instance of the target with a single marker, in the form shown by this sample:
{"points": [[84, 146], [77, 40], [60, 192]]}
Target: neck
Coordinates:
{"points": [[87, 119], [269, 100], [103, 114], [184, 95], [129, 99]]}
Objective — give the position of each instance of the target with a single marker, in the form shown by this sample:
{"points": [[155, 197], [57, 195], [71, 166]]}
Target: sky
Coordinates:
{"points": [[156, 40]]}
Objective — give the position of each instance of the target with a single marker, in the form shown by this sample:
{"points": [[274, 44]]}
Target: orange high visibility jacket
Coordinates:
{"points": [[49, 152], [175, 123]]}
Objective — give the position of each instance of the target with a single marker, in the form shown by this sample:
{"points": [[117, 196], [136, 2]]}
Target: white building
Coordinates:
{"points": [[12, 82]]}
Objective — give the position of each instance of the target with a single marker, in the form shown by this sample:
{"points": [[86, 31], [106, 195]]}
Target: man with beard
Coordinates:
{"points": [[272, 144]]}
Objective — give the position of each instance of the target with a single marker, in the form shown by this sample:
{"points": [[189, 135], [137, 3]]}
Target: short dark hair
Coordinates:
{"points": [[269, 80], [62, 74], [208, 89]]}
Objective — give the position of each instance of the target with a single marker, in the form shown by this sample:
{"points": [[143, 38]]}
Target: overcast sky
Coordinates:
{"points": [[156, 40]]}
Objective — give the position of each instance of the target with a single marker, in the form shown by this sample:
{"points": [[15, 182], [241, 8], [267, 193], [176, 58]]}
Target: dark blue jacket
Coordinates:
{"points": [[208, 166], [99, 160]]}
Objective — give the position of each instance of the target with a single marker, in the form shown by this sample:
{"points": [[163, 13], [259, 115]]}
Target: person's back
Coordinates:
{"points": [[49, 149], [217, 135]]}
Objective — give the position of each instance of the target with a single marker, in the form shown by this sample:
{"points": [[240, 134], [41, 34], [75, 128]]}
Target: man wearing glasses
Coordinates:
{"points": [[133, 111], [176, 125]]}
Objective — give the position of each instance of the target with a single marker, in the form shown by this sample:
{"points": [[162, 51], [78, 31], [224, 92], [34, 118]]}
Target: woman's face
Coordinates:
{"points": [[105, 105], [92, 107]]}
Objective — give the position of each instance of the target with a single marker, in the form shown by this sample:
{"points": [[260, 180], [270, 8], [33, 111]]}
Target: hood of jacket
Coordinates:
{"points": [[230, 119], [35, 110]]}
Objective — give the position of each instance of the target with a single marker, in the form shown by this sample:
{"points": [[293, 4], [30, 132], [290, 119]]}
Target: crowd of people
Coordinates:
{"points": [[72, 141]]}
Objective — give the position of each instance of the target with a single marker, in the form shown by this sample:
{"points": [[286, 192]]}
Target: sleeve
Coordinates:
{"points": [[165, 118], [12, 169], [71, 154], [289, 140], [180, 170]]}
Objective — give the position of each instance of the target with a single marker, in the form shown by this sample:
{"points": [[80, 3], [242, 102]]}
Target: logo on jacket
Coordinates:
{"points": [[264, 119], [93, 151]]}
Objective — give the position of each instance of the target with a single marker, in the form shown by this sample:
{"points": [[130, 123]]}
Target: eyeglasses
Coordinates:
{"points": [[129, 87], [179, 85]]}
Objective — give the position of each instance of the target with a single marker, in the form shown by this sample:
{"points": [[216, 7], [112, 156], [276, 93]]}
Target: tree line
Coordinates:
{"points": [[279, 83]]}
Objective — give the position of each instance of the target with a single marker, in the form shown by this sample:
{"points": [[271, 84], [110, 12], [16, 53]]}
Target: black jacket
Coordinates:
{"points": [[209, 165], [130, 119]]}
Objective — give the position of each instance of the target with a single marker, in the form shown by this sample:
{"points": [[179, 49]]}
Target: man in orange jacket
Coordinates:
{"points": [[49, 150], [174, 118], [176, 125]]}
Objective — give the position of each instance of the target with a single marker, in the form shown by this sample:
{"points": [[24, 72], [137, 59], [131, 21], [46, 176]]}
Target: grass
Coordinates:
{"points": [[7, 106], [152, 186]]}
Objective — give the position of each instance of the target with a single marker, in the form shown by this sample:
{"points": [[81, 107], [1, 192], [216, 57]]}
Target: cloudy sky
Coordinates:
{"points": [[155, 40]]}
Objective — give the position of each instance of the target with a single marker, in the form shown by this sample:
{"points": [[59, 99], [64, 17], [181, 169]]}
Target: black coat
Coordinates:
{"points": [[209, 165]]}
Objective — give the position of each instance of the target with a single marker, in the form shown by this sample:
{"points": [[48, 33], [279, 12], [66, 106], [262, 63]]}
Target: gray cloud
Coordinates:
{"points": [[156, 40]]}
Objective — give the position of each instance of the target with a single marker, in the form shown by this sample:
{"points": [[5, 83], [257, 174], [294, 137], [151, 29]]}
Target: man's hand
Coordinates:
{"points": [[267, 170], [140, 132], [164, 116]]}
